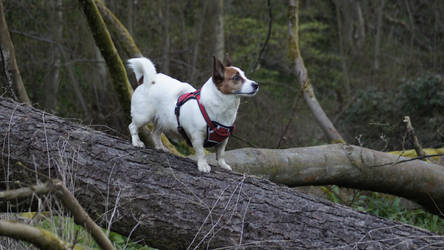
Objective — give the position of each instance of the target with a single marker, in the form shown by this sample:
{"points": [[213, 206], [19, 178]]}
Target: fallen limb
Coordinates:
{"points": [[165, 202], [347, 166], [69, 201], [37, 236]]}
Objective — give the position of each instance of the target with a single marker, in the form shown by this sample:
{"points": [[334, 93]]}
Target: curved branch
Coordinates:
{"points": [[37, 236], [302, 76]]}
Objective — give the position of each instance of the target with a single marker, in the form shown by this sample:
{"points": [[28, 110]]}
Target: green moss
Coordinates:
{"points": [[54, 242]]}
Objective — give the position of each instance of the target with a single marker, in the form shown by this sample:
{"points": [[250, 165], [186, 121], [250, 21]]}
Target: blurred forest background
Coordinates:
{"points": [[371, 63]]}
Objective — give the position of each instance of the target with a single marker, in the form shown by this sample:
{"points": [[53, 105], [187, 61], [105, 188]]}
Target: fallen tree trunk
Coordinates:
{"points": [[166, 202], [347, 166]]}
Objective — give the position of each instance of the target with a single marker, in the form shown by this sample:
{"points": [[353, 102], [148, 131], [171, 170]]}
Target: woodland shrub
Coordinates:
{"points": [[376, 116]]}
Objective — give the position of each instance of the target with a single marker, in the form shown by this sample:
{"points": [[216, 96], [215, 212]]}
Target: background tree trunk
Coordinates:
{"points": [[378, 33], [52, 85], [104, 42], [9, 64], [197, 40], [118, 31], [219, 36], [165, 13], [166, 202], [302, 76]]}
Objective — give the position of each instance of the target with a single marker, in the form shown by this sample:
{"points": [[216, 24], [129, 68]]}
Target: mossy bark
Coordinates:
{"points": [[118, 31], [105, 44]]}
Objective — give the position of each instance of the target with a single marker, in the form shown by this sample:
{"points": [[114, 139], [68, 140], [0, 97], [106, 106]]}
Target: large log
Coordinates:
{"points": [[166, 202]]}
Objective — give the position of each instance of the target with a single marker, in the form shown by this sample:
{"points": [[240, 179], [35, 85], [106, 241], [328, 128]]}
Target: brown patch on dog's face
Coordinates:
{"points": [[232, 81]]}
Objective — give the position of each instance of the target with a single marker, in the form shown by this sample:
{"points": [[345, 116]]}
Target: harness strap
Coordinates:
{"points": [[212, 127]]}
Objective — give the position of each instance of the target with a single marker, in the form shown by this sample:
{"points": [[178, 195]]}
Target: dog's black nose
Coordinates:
{"points": [[255, 85]]}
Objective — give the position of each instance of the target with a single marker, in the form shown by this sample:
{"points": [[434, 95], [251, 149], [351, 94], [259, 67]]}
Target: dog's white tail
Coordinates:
{"points": [[143, 67]]}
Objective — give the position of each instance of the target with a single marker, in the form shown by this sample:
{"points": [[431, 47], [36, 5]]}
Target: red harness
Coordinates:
{"points": [[216, 132]]}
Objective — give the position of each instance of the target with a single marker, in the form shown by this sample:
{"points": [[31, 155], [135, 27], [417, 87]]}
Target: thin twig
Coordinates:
{"points": [[244, 141], [411, 132], [292, 116], [407, 160], [220, 217], [267, 38]]}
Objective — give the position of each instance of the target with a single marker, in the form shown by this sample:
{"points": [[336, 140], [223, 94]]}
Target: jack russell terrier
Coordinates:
{"points": [[204, 117]]}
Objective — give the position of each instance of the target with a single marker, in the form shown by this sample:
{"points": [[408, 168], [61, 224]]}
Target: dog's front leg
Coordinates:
{"points": [[202, 163], [220, 153]]}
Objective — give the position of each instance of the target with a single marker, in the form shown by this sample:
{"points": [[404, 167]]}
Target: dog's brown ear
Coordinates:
{"points": [[227, 60], [218, 71]]}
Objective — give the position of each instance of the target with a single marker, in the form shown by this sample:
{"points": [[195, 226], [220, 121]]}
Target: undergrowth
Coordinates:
{"points": [[73, 235], [388, 206]]}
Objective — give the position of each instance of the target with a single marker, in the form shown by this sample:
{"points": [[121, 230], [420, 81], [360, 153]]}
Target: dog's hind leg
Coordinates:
{"points": [[157, 139], [133, 128]]}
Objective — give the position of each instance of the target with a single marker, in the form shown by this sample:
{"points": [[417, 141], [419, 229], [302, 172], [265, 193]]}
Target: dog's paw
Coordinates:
{"points": [[162, 148], [203, 167], [138, 144], [224, 165]]}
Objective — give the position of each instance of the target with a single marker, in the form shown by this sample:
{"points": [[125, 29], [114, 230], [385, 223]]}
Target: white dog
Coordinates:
{"points": [[204, 118]]}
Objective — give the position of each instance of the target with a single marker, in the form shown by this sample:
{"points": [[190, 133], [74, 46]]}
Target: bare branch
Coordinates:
{"points": [[42, 188], [37, 236], [69, 201], [267, 38], [411, 133]]}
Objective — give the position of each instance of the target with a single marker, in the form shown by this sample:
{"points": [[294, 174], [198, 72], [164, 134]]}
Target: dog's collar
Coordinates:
{"points": [[216, 132]]}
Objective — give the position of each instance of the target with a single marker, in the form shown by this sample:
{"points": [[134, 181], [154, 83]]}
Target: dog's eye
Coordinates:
{"points": [[236, 77]]}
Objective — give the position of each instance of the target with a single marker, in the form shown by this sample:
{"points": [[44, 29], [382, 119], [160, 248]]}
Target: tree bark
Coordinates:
{"points": [[302, 76], [9, 64], [167, 203]]}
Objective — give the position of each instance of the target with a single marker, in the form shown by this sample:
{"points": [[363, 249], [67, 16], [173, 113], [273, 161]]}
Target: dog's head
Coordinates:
{"points": [[231, 80]]}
